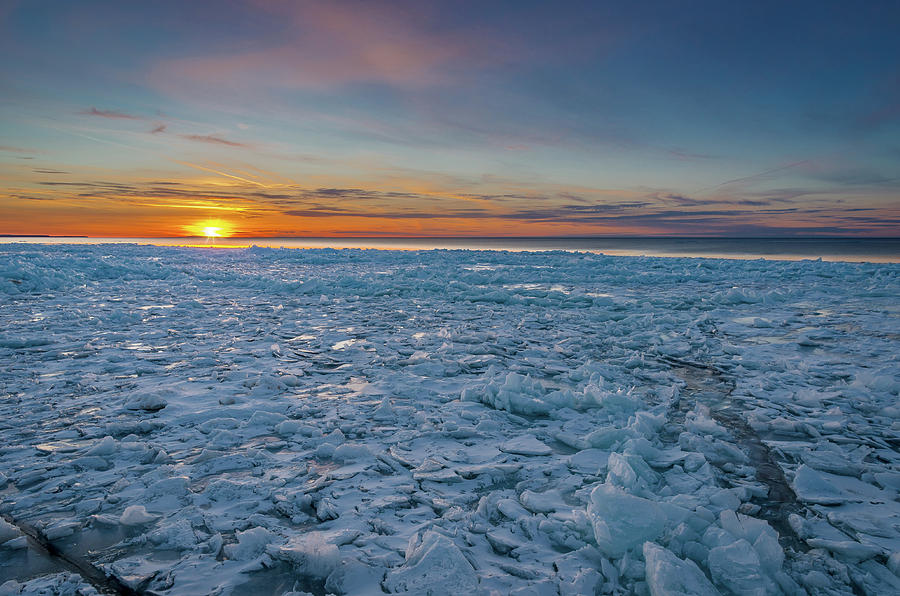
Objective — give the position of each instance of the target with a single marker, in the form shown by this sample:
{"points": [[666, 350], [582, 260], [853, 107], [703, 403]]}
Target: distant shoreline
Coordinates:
{"points": [[853, 249]]}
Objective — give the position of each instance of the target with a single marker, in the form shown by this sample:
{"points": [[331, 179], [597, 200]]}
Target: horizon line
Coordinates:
{"points": [[477, 237]]}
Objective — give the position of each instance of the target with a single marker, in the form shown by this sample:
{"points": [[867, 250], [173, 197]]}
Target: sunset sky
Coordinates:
{"points": [[279, 118]]}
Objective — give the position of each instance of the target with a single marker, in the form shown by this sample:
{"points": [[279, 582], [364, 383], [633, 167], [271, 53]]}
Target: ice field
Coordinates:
{"points": [[265, 421]]}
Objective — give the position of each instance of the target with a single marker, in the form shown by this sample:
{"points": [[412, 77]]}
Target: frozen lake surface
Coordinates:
{"points": [[256, 421]]}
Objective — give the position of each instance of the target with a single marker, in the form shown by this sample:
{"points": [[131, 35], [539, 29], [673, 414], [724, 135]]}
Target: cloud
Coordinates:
{"points": [[48, 171], [395, 214], [10, 149], [583, 212], [683, 155], [115, 114], [682, 200], [319, 45], [405, 73], [357, 193], [782, 195], [215, 140], [25, 197], [753, 202], [857, 177]]}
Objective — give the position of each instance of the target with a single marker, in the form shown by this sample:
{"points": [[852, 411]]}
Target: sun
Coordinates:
{"points": [[209, 229]]}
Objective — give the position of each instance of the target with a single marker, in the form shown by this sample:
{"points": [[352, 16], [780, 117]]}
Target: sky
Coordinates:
{"points": [[294, 118]]}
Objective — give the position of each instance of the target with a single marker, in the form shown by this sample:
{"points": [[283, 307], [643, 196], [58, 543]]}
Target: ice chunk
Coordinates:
{"points": [[177, 535], [61, 529], [218, 424], [384, 412], [502, 541], [353, 577], [326, 509], [512, 509], [847, 549], [251, 544], [516, 393], [589, 461], [887, 480], [498, 472], [830, 458], [287, 428], [715, 450], [149, 402], [736, 566], [310, 554], [771, 555], [608, 436], [667, 575], [579, 573], [92, 462], [264, 418], [699, 422], [526, 445], [622, 521], [7, 531], [174, 486], [815, 487], [744, 526], [544, 502], [877, 579], [432, 565], [136, 515], [893, 563], [105, 446], [57, 584], [632, 473], [17, 543], [351, 452], [335, 437], [324, 450], [868, 518]]}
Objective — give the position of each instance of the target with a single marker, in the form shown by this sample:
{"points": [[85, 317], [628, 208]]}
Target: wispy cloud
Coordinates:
{"points": [[682, 155], [215, 140], [682, 200], [10, 149], [856, 177], [114, 114]]}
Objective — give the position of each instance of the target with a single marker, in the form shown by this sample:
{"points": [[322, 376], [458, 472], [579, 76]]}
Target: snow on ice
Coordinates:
{"points": [[430, 422]]}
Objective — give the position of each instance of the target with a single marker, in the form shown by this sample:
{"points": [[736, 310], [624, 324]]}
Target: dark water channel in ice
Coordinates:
{"points": [[711, 387], [72, 553]]}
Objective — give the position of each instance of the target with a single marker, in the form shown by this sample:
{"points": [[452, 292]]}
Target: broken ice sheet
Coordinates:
{"points": [[303, 420]]}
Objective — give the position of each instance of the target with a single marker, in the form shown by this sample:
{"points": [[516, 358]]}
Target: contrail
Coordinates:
{"points": [[752, 176], [205, 169]]}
